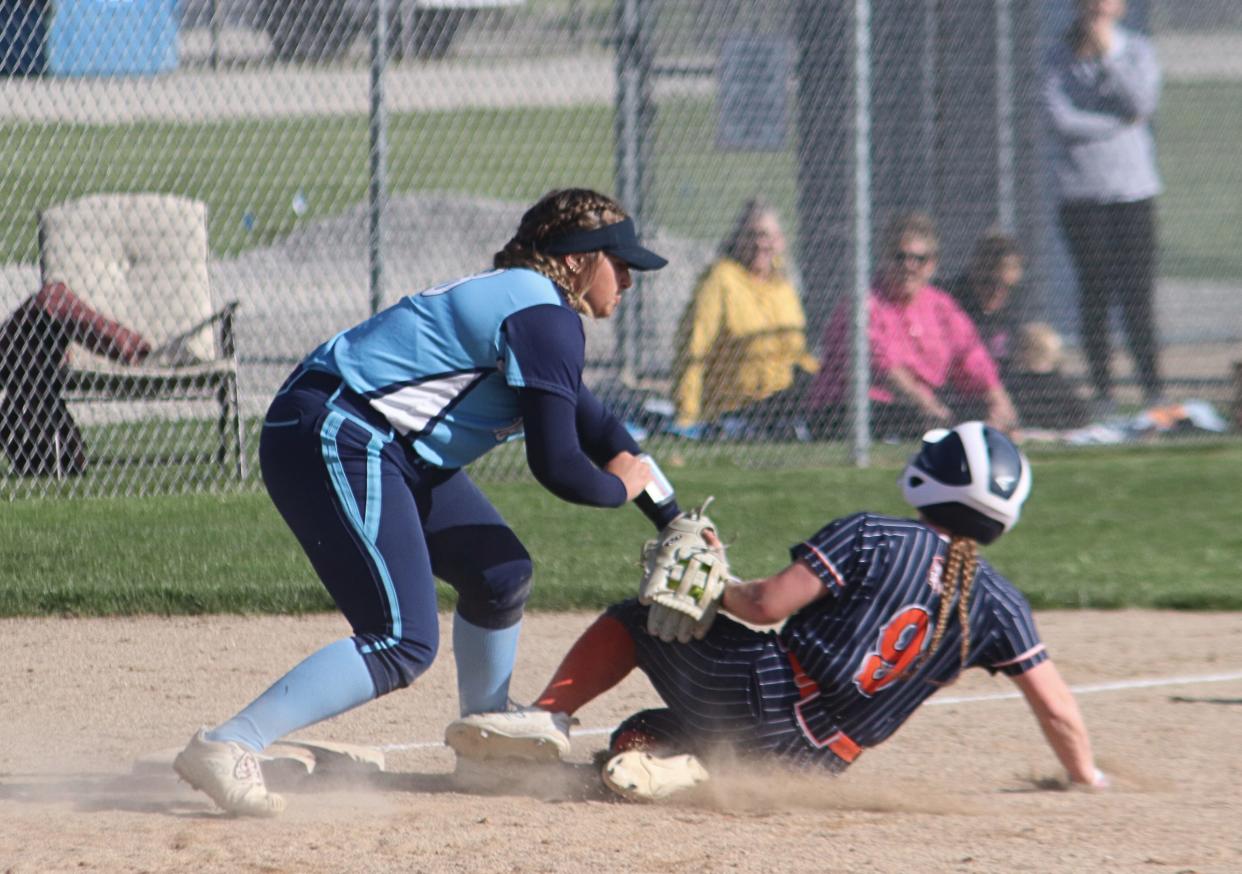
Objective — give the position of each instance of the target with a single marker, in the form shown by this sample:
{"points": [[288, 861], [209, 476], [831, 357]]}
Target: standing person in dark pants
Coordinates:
{"points": [[1101, 88]]}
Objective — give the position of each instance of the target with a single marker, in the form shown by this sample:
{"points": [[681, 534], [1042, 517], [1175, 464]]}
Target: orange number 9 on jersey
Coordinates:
{"points": [[901, 640]]}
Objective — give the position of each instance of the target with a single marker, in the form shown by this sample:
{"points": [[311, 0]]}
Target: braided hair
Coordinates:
{"points": [[557, 212], [957, 581]]}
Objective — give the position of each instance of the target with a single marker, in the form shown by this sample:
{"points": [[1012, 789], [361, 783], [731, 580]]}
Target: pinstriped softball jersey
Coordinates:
{"points": [[826, 685], [883, 580]]}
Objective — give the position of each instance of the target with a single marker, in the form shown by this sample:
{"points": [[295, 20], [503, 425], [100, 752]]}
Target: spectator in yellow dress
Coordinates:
{"points": [[742, 339]]}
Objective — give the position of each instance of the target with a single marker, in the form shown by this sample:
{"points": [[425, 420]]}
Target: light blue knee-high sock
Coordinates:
{"points": [[325, 683], [485, 659]]}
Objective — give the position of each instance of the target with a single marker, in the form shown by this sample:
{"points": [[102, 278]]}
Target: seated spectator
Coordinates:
{"points": [[1045, 396], [988, 292], [742, 341], [36, 428], [929, 368]]}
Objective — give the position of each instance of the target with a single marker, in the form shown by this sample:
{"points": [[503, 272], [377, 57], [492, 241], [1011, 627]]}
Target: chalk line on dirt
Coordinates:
{"points": [[1085, 689]]}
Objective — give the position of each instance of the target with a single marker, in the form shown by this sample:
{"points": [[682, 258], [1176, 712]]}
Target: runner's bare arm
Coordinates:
{"points": [[1054, 706], [767, 601]]}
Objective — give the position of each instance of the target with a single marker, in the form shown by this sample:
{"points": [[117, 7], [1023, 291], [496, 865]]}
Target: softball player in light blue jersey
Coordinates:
{"points": [[363, 451]]}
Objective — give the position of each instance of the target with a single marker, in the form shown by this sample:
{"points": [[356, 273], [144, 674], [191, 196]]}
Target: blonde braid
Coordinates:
{"points": [[970, 561], [958, 579], [555, 213]]}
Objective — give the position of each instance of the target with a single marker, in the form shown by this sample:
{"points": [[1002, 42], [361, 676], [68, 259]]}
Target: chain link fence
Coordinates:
{"points": [[198, 193]]}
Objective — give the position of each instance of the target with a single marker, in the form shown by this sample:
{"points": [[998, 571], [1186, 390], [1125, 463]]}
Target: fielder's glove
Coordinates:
{"points": [[684, 578]]}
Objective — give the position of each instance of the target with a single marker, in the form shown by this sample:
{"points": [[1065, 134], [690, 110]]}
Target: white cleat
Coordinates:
{"points": [[640, 776], [229, 774], [528, 734]]}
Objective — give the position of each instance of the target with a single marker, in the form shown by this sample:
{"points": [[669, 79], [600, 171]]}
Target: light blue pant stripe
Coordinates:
{"points": [[374, 487], [368, 529], [386, 435]]}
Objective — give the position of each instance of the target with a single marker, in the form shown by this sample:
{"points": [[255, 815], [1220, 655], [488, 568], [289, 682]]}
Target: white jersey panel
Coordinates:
{"points": [[434, 363], [412, 408]]}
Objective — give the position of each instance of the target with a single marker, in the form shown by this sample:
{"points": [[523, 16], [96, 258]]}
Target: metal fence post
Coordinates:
{"points": [[834, 178], [861, 405], [213, 24], [377, 190], [1006, 149], [634, 111]]}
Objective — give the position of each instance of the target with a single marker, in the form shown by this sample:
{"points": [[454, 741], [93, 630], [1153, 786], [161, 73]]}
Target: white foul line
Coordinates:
{"points": [[1091, 688], [1087, 689]]}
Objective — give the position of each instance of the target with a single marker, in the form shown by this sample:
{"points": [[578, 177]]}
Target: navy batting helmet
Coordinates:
{"points": [[970, 479]]}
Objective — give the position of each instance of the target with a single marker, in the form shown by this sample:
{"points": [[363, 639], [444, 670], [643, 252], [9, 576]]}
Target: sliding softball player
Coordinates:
{"points": [[879, 613]]}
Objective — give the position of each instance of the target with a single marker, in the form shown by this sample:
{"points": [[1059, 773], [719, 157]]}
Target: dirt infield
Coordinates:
{"points": [[968, 785]]}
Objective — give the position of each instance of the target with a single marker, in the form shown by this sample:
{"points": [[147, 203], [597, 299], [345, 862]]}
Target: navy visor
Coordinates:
{"points": [[618, 239]]}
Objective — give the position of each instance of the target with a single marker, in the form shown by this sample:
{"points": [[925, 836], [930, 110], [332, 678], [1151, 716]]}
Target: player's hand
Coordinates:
{"points": [[632, 471], [1099, 782]]}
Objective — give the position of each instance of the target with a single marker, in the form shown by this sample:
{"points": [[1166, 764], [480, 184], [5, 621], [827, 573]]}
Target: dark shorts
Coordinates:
{"points": [[734, 689]]}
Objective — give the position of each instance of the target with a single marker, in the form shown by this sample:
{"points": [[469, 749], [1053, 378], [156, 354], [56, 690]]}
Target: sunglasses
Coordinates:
{"points": [[918, 259]]}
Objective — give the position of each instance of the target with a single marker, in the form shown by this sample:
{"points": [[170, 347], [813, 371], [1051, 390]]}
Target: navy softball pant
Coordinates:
{"points": [[734, 689], [379, 525]]}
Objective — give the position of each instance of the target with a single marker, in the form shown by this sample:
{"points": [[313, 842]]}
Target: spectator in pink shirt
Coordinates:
{"points": [[929, 367]]}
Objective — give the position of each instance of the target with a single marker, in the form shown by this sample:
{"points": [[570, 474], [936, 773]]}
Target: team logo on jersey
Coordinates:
{"points": [[934, 574]]}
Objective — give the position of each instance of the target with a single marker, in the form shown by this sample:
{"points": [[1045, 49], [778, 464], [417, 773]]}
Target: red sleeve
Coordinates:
{"points": [[91, 329]]}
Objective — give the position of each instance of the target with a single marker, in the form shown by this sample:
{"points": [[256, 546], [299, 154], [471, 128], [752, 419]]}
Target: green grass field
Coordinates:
{"points": [[1142, 527], [255, 168], [1146, 527]]}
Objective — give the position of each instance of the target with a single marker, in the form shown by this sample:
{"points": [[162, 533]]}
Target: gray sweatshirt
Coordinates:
{"points": [[1100, 111]]}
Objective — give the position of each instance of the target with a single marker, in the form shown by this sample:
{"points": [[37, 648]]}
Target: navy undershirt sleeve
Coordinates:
{"points": [[545, 349], [603, 435], [555, 456], [570, 435]]}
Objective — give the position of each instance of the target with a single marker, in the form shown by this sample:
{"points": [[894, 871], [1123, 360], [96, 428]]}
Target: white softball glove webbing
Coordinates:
{"points": [[684, 578]]}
